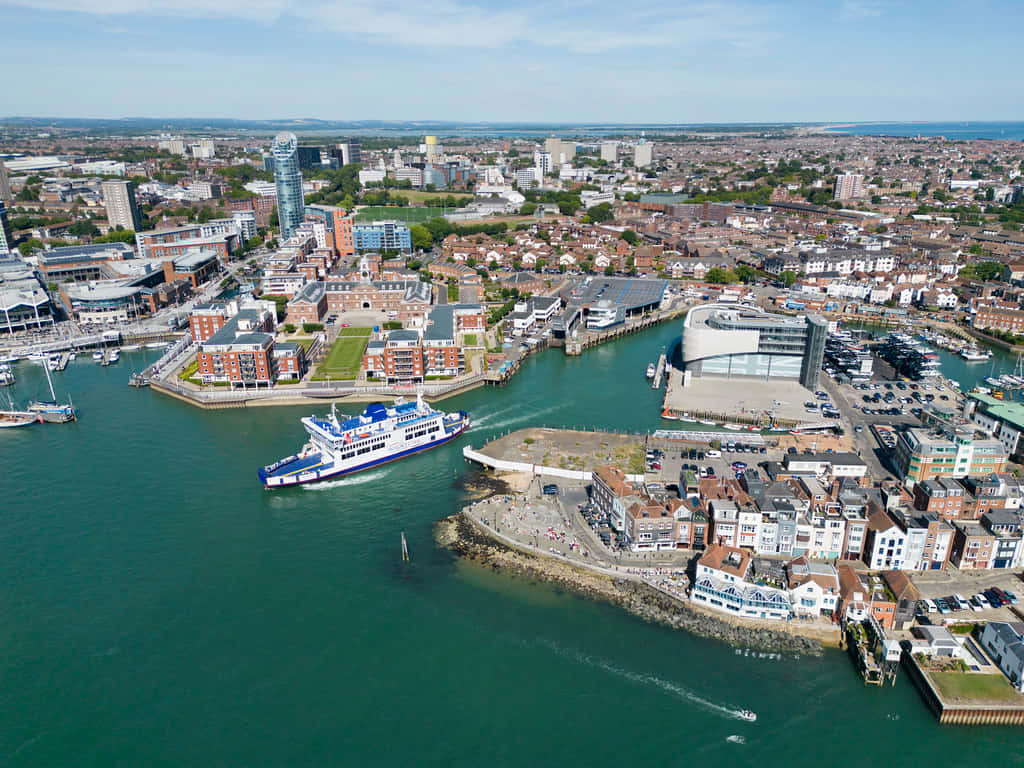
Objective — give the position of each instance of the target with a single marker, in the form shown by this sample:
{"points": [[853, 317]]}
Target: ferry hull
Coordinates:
{"points": [[316, 474]]}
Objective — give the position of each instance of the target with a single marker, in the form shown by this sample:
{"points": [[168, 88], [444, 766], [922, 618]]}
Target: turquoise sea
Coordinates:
{"points": [[158, 607], [951, 130]]}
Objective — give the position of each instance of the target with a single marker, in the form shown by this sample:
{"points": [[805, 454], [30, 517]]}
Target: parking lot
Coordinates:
{"points": [[667, 460], [948, 584]]}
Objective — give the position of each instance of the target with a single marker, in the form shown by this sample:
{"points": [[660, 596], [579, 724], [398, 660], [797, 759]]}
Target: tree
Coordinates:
{"points": [[745, 273], [421, 236], [720, 276], [629, 236], [439, 228], [528, 209], [568, 207], [119, 235], [599, 213], [788, 277], [609, 270]]}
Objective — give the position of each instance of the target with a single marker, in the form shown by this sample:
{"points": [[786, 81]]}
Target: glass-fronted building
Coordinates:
{"points": [[291, 205], [740, 341]]}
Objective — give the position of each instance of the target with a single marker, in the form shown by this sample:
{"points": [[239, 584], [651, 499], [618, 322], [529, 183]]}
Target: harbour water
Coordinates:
{"points": [[160, 608]]}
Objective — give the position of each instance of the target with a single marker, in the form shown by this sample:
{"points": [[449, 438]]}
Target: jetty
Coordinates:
{"points": [[660, 372], [63, 361]]}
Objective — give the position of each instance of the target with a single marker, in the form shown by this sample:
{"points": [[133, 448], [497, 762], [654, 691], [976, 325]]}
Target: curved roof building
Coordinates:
{"points": [[742, 341]]}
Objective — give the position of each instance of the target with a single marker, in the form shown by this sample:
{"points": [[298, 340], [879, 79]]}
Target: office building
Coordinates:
{"points": [[119, 200], [643, 154], [382, 236], [849, 186], [923, 454], [309, 158], [526, 178], [348, 152], [5, 184], [543, 162], [6, 236], [561, 151], [173, 146], [288, 181], [203, 149], [609, 151], [730, 341], [431, 148]]}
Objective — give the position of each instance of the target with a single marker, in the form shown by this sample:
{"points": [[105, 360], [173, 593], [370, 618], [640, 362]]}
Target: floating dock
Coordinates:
{"points": [[660, 372]]}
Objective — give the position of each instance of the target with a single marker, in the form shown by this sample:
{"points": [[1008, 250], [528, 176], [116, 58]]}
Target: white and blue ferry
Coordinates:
{"points": [[379, 435]]}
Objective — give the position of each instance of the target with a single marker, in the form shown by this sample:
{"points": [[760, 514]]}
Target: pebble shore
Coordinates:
{"points": [[464, 537]]}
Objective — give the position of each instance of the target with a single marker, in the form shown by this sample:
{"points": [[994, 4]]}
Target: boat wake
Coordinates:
{"points": [[523, 418], [362, 477], [681, 693], [736, 739]]}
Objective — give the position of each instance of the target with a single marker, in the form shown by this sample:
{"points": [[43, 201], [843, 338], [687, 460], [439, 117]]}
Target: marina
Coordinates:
{"points": [[174, 586]]}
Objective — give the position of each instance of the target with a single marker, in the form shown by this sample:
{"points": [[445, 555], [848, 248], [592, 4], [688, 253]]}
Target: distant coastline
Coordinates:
{"points": [[1003, 130]]}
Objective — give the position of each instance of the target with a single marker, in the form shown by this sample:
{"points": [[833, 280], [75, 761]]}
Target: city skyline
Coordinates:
{"points": [[852, 61]]}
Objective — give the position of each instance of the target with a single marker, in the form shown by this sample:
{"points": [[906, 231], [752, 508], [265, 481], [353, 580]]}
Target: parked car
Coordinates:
{"points": [[550, 489], [714, 454]]}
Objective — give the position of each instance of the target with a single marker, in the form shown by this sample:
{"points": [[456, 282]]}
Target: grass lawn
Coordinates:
{"points": [[416, 196], [346, 355], [973, 686], [409, 215], [469, 339]]}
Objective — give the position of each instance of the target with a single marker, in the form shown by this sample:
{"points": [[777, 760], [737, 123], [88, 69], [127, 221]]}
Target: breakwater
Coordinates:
{"points": [[464, 537]]}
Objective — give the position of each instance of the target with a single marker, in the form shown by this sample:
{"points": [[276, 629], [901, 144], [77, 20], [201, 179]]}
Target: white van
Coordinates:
{"points": [[930, 605], [713, 454]]}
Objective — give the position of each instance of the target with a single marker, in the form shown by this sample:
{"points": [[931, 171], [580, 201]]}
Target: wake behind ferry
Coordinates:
{"points": [[377, 436]]}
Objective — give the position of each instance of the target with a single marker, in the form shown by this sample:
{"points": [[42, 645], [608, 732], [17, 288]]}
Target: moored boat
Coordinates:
{"points": [[9, 419], [651, 371], [377, 436]]}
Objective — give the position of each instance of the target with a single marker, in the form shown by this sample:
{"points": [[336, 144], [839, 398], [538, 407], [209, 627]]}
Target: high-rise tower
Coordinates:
{"points": [[291, 205]]}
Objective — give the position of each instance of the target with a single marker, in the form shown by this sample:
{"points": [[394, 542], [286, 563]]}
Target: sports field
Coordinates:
{"points": [[409, 215]]}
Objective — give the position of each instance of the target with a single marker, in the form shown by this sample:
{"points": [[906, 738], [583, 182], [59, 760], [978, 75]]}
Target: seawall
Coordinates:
{"points": [[466, 538]]}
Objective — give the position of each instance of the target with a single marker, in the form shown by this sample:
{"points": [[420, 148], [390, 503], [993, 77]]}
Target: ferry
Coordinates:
{"points": [[651, 371], [377, 436]]}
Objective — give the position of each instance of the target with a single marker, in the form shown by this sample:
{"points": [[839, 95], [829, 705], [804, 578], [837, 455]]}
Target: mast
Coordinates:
{"points": [[49, 381]]}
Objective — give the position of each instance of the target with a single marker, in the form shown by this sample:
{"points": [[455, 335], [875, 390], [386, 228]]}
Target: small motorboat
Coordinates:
{"points": [[666, 415], [746, 714], [651, 371], [97, 355]]}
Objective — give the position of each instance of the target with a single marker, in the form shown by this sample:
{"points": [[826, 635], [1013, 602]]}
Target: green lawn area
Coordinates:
{"points": [[417, 197], [470, 339], [409, 215], [344, 359], [973, 686]]}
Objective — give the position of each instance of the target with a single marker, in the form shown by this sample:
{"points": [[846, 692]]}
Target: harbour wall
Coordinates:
{"points": [[473, 541], [533, 469], [960, 713]]}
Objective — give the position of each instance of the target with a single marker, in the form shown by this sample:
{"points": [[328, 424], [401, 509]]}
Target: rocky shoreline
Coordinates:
{"points": [[465, 538]]}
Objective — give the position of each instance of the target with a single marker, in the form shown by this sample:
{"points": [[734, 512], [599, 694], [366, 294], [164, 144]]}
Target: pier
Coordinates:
{"points": [[660, 372]]}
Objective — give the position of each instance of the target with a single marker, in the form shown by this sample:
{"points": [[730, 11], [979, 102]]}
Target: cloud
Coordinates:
{"points": [[854, 10], [577, 26]]}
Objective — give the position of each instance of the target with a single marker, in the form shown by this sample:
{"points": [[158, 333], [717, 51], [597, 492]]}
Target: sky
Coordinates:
{"points": [[660, 61]]}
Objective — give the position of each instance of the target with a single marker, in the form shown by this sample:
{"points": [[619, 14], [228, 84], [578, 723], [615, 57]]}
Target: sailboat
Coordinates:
{"points": [[50, 410], [11, 417]]}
